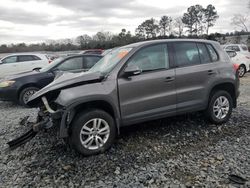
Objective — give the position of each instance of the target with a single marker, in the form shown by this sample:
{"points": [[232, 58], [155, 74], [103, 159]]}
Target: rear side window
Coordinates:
{"points": [[212, 52], [204, 55], [90, 61], [186, 54], [23, 58]]}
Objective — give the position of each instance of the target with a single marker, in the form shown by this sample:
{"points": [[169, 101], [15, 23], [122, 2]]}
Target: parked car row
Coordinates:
{"points": [[19, 87], [132, 84]]}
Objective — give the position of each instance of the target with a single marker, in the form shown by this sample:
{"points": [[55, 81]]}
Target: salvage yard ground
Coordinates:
{"points": [[182, 151]]}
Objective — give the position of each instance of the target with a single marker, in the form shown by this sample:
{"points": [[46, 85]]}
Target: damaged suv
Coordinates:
{"points": [[133, 84]]}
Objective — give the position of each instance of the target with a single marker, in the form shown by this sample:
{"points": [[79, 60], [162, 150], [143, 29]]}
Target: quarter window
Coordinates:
{"points": [[186, 54], [151, 58], [212, 52]]}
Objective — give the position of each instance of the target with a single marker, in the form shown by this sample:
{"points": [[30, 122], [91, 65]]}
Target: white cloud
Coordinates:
{"points": [[38, 20]]}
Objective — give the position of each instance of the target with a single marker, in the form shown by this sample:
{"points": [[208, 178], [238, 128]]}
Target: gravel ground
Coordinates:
{"points": [[183, 151]]}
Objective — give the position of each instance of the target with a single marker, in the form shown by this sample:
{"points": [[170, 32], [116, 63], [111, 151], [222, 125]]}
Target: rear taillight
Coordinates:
{"points": [[236, 67], [50, 61]]}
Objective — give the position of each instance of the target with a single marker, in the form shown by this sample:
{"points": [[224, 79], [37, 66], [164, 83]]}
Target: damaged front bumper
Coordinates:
{"points": [[46, 119]]}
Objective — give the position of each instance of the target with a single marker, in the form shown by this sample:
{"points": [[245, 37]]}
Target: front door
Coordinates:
{"points": [[151, 94]]}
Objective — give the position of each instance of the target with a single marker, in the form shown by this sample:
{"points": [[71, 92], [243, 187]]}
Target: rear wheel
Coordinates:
{"points": [[25, 94], [242, 70], [220, 107], [92, 132]]}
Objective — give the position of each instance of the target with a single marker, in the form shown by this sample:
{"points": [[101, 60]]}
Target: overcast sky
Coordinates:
{"points": [[39, 20]]}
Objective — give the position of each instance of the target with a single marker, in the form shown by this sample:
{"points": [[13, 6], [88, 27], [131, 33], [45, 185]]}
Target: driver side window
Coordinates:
{"points": [[12, 59], [151, 58]]}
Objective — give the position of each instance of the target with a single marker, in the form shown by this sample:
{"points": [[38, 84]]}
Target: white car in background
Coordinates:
{"points": [[17, 63], [239, 48], [240, 59]]}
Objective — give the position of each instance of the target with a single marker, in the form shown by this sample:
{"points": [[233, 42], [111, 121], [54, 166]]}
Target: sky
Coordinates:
{"points": [[33, 21]]}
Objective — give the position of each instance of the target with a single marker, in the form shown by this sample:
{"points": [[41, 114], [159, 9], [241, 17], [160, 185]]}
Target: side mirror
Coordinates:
{"points": [[132, 70]]}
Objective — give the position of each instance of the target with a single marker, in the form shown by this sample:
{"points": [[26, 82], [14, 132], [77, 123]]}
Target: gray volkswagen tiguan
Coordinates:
{"points": [[133, 84]]}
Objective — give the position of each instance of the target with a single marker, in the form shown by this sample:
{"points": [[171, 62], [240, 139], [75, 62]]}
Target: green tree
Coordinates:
{"points": [[165, 25], [148, 28], [193, 19], [210, 17]]}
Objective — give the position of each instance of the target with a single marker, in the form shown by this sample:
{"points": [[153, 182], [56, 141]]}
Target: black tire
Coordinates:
{"points": [[243, 70], [78, 123], [22, 100], [210, 114]]}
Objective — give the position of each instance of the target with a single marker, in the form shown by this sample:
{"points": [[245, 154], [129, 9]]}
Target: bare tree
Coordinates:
{"points": [[179, 26], [240, 21]]}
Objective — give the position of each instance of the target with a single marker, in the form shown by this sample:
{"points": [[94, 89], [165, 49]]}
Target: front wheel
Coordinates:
{"points": [[25, 94], [92, 132], [220, 107]]}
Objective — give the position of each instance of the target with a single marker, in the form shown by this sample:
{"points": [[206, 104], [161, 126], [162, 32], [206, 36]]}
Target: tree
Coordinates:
{"points": [[193, 18], [165, 25], [240, 21], [149, 28], [179, 26], [83, 40], [210, 17]]}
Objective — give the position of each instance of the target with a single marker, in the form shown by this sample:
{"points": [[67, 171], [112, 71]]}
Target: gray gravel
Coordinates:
{"points": [[183, 151]]}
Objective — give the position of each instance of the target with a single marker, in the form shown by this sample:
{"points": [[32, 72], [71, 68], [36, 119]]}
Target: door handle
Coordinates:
{"points": [[211, 72], [169, 79]]}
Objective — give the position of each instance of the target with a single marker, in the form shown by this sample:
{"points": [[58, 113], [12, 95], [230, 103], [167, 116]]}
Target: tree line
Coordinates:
{"points": [[194, 23]]}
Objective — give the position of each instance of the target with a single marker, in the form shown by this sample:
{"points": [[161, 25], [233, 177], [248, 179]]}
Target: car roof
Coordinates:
{"points": [[167, 40], [17, 54]]}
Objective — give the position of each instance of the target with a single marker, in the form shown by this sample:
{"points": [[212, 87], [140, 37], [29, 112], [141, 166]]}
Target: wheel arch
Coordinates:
{"points": [[228, 87], [80, 106]]}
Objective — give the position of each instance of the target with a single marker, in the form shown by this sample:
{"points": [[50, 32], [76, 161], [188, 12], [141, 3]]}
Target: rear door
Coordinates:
{"points": [[195, 69], [27, 63], [152, 93]]}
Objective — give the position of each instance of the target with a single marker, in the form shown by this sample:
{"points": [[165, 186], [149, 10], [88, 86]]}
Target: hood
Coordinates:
{"points": [[19, 75], [66, 80]]}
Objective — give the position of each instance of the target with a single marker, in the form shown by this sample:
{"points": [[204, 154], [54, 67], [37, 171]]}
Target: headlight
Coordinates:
{"points": [[7, 83]]}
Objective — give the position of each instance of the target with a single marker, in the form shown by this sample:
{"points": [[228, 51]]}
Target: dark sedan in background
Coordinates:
{"points": [[18, 88]]}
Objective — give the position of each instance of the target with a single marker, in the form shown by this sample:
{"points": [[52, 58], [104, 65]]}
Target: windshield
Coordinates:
{"points": [[109, 61], [52, 64]]}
